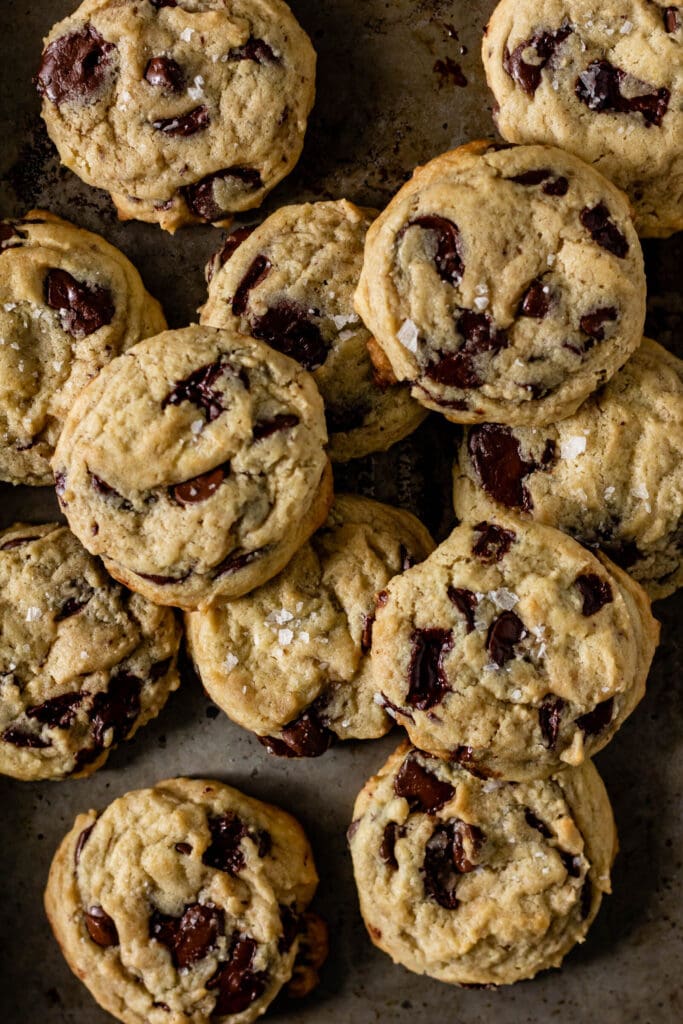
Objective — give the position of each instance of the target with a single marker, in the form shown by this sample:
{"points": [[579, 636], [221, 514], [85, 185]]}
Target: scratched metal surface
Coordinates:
{"points": [[382, 108]]}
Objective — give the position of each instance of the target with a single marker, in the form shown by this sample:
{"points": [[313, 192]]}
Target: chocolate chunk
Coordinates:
{"points": [[544, 43], [534, 822], [493, 542], [254, 49], [392, 832], [464, 756], [201, 389], [366, 633], [18, 737], [16, 542], [101, 928], [466, 602], [448, 257], [265, 428], [237, 984], [595, 591], [593, 722], [190, 937], [593, 324], [672, 21], [58, 712], [290, 928], [457, 369], [504, 633], [74, 67], [201, 196], [161, 581], [306, 736], [230, 245], [163, 3], [183, 848], [428, 682], [571, 863], [82, 840], [115, 709], [550, 719], [107, 491], [185, 124], [450, 852], [224, 852], [72, 606], [200, 488], [421, 788], [235, 562], [624, 553], [558, 187], [603, 230], [256, 273], [288, 328], [498, 462], [543, 176], [83, 308], [599, 87], [536, 300], [165, 73]]}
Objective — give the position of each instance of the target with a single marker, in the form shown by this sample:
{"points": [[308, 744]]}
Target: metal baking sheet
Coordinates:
{"points": [[385, 103]]}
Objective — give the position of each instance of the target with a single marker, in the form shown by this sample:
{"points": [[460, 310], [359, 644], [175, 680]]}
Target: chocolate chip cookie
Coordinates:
{"points": [[610, 475], [83, 662], [604, 81], [69, 302], [184, 111], [290, 661], [512, 650], [504, 284], [291, 283], [476, 882], [182, 903], [195, 465]]}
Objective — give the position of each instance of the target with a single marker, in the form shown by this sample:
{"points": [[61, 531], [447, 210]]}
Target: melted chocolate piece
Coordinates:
{"points": [[593, 324], [428, 682], [72, 606], [183, 848], [163, 3], [593, 722], [392, 832], [504, 633], [192, 936], [165, 73], [83, 308], [571, 863], [366, 633], [599, 87], [116, 709], [233, 563], [201, 389], [528, 76], [603, 230], [498, 463], [456, 369], [534, 822], [493, 542], [423, 790], [254, 49], [201, 197], [672, 21], [200, 488], [74, 67], [237, 984], [464, 756], [16, 542], [58, 712], [536, 301], [596, 593], [101, 928], [82, 840], [256, 273], [448, 257], [287, 327], [185, 124], [224, 852], [161, 581], [290, 928], [306, 736], [466, 602], [543, 176], [265, 428], [18, 737], [550, 719], [230, 245], [449, 853], [558, 187], [107, 491]]}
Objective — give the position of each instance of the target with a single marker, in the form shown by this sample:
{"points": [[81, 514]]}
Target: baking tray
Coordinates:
{"points": [[382, 107]]}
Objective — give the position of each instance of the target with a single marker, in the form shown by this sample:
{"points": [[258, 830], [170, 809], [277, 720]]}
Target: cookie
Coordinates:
{"points": [[291, 284], [506, 284], [182, 903], [184, 111], [610, 475], [69, 302], [603, 81], [195, 465], [512, 650], [290, 661], [83, 662], [476, 882]]}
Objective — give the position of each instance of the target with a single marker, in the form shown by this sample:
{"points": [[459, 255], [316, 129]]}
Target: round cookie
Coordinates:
{"points": [[83, 662], [512, 649], [610, 475], [291, 283], [603, 81], [184, 111], [290, 661], [182, 903], [475, 882], [506, 284], [194, 465], [69, 302]]}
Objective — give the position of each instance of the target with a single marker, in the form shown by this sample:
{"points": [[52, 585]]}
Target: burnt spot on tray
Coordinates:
{"points": [[82, 308], [202, 196], [74, 67], [492, 542], [306, 736], [427, 682], [191, 936], [603, 230], [503, 635], [544, 44], [596, 593], [423, 790], [599, 87], [449, 72]]}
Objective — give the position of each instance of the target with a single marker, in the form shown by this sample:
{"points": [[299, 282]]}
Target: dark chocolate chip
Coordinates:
{"points": [[603, 230], [58, 712], [493, 542], [593, 324], [254, 49], [593, 722], [201, 196], [82, 840], [392, 832], [161, 581], [599, 87], [101, 928], [165, 73], [366, 633], [306, 736], [192, 936], [16, 542], [457, 369], [184, 124], [536, 300], [18, 737], [466, 602], [72, 606], [406, 559], [595, 591], [504, 633], [290, 928], [163, 3], [550, 719], [464, 756], [83, 308], [201, 389], [235, 562], [237, 984], [257, 272], [421, 788], [571, 863], [544, 43], [265, 428], [428, 682], [535, 822], [287, 327], [74, 67], [200, 488], [451, 851], [498, 463], [115, 709], [183, 848], [230, 246], [225, 850], [448, 257], [105, 490], [543, 176], [672, 21], [558, 187]]}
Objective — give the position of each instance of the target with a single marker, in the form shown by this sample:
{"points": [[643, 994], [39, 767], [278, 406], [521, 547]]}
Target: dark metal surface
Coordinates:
{"points": [[382, 108]]}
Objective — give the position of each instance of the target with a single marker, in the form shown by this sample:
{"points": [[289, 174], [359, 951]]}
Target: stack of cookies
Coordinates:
{"points": [[502, 288]]}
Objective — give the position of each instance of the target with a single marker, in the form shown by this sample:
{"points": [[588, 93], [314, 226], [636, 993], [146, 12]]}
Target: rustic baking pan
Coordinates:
{"points": [[398, 83]]}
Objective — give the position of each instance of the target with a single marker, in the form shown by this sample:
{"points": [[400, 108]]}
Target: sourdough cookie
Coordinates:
{"points": [[194, 465], [476, 882], [69, 302], [291, 660], [184, 111], [512, 649], [291, 284], [182, 903], [83, 662], [504, 284], [603, 81], [610, 475]]}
